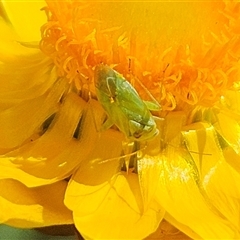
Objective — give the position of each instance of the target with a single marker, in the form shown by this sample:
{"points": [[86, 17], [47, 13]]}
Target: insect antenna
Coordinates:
{"points": [[165, 145], [183, 147]]}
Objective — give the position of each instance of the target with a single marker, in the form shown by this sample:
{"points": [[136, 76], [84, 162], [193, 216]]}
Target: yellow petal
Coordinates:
{"points": [[33, 73], [178, 192], [98, 196], [114, 202], [228, 118], [57, 152], [220, 168], [220, 205], [33, 207], [222, 188], [30, 115], [183, 228], [167, 231], [24, 15], [14, 53], [187, 187], [26, 76]]}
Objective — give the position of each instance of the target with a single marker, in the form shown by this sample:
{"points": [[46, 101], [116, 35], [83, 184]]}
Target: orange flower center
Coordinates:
{"points": [[197, 71]]}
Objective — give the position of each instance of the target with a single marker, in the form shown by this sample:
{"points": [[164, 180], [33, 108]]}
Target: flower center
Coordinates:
{"points": [[77, 39]]}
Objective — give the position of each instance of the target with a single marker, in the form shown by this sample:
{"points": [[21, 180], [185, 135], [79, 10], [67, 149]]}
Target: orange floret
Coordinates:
{"points": [[77, 41]]}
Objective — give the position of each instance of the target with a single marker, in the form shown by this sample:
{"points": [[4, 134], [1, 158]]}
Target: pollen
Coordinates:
{"points": [[80, 35]]}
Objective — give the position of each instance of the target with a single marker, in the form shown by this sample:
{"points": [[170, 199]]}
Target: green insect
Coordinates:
{"points": [[124, 106]]}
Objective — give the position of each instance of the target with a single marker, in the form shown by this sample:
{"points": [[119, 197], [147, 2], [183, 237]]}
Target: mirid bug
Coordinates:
{"points": [[123, 105]]}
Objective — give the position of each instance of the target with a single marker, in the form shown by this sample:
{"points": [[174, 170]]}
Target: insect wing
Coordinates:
{"points": [[138, 123], [123, 105], [130, 102], [105, 84]]}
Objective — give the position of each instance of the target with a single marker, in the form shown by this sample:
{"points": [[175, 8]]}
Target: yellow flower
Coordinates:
{"points": [[186, 55]]}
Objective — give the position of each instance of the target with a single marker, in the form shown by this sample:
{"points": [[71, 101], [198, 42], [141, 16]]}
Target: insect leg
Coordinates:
{"points": [[132, 151], [152, 105], [127, 149]]}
